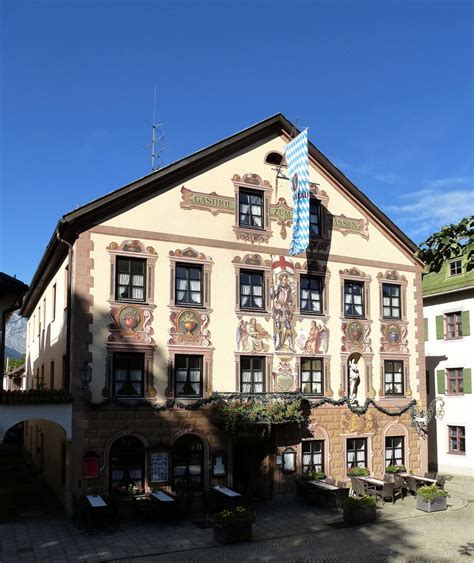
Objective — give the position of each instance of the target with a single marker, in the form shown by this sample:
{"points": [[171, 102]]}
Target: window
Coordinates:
{"points": [[457, 440], [453, 325], [357, 452], [353, 299], [251, 290], [393, 377], [127, 465], [250, 209], [188, 284], [252, 375], [455, 379], [188, 376], [188, 462], [394, 450], [51, 375], [311, 294], [312, 376], [313, 456], [128, 374], [391, 301], [314, 217], [275, 159], [53, 305], [455, 268], [130, 279]]}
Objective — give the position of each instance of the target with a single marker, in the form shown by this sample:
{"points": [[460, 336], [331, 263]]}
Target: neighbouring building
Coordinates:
{"points": [[164, 305], [448, 299]]}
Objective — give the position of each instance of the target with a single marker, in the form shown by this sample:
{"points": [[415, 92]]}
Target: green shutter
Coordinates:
{"points": [[441, 377], [467, 380], [440, 327], [426, 328], [466, 329]]}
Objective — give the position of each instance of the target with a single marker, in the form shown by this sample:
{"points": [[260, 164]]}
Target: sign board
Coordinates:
{"points": [[159, 466]]}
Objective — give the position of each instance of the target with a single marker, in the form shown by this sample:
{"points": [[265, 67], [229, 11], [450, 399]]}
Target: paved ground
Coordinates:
{"points": [[284, 531]]}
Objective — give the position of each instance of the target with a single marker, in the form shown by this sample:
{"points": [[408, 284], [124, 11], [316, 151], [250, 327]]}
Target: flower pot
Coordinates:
{"points": [[439, 503], [359, 515], [241, 531]]}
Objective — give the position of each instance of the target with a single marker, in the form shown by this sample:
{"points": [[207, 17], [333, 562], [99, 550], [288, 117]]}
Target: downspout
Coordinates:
{"points": [[68, 306]]}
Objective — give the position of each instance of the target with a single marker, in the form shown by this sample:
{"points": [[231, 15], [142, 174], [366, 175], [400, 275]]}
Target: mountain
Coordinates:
{"points": [[15, 337]]}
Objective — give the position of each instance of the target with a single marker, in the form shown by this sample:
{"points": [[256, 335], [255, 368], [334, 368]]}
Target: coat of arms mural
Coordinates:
{"points": [[189, 327], [131, 322]]}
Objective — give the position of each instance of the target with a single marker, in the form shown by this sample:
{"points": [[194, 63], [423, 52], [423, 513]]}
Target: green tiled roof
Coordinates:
{"points": [[442, 282]]}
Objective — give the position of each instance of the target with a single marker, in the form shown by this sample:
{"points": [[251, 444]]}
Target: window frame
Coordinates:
{"points": [[131, 260], [188, 266], [315, 205], [305, 468], [392, 448], [457, 378], [459, 435], [391, 306], [310, 278], [313, 371], [356, 451], [256, 193], [124, 354], [393, 373], [455, 263], [252, 369], [457, 325], [360, 283], [188, 381]]}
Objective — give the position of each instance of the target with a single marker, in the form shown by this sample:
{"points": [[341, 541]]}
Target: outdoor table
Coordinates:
{"points": [[372, 481], [424, 479], [324, 485], [166, 506], [160, 496], [93, 512], [224, 498], [334, 496], [226, 491], [96, 501]]}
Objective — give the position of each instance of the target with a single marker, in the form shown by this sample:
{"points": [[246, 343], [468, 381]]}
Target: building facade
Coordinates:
{"points": [[448, 298], [171, 303]]}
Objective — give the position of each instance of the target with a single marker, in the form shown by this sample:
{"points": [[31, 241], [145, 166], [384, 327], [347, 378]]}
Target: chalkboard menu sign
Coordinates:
{"points": [[159, 466]]}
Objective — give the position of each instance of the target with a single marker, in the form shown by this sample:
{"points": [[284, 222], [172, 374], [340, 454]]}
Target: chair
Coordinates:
{"points": [[440, 481], [388, 490], [360, 488], [430, 475], [388, 477], [399, 486], [336, 500], [412, 484]]}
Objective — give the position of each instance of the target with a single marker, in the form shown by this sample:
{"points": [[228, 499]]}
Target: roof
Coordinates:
{"points": [[9, 284], [159, 181], [442, 282]]}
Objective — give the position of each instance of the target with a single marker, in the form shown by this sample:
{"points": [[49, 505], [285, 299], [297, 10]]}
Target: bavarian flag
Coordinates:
{"points": [[296, 155]]}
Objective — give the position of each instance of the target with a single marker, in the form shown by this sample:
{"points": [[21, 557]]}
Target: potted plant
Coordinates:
{"points": [[430, 498], [357, 472], [395, 468], [233, 525], [314, 475], [358, 510]]}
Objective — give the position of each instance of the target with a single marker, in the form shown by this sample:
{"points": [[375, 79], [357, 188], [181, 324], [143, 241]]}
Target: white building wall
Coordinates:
{"points": [[458, 409]]}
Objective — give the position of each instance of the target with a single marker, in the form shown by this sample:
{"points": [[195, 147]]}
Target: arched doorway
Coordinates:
{"points": [[188, 462], [127, 466]]}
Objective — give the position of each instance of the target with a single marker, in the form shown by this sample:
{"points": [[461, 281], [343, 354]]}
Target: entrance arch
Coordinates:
{"points": [[127, 465], [188, 462]]}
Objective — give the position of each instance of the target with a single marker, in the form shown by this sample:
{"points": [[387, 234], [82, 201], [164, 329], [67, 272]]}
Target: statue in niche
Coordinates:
{"points": [[354, 381], [282, 295]]}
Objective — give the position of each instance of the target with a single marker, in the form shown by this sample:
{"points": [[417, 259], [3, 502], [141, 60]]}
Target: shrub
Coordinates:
{"points": [[357, 472], [360, 502], [230, 517], [395, 468], [431, 492], [314, 475]]}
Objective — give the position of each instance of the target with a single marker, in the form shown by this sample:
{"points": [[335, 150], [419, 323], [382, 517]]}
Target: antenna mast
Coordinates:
{"points": [[156, 136]]}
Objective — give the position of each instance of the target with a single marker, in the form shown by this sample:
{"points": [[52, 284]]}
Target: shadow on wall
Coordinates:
{"points": [[432, 363]]}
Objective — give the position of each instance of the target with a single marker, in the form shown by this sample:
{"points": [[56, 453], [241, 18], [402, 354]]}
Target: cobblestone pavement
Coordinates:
{"points": [[284, 531]]}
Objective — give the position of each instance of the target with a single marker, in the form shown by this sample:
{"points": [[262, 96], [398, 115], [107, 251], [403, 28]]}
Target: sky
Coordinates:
{"points": [[385, 88]]}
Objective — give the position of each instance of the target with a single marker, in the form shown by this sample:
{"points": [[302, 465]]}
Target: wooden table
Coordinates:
{"points": [[334, 496], [226, 491], [96, 501], [377, 483], [424, 479]]}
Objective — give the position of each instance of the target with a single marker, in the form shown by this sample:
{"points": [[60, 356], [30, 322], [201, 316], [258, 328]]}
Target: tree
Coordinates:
{"points": [[450, 242]]}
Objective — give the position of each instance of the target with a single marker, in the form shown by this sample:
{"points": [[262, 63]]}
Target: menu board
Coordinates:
{"points": [[159, 466]]}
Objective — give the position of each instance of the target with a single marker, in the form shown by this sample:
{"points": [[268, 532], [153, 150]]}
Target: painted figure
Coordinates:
{"points": [[242, 337], [354, 380], [283, 313], [255, 335], [312, 342]]}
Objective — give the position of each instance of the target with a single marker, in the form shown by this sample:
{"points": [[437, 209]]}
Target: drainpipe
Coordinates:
{"points": [[68, 306]]}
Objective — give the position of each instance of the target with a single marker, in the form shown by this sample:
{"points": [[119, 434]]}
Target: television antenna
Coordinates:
{"points": [[157, 138]]}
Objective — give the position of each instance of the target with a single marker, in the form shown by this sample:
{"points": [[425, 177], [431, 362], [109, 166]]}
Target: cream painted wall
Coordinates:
{"points": [[164, 215]]}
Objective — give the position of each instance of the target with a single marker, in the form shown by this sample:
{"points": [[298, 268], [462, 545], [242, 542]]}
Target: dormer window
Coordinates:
{"points": [[455, 268]]}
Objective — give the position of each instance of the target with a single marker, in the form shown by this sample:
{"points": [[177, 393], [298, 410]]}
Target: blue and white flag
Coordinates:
{"points": [[296, 155]]}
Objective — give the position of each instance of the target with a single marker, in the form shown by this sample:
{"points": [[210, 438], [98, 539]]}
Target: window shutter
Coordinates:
{"points": [[440, 327], [426, 328], [467, 385], [441, 376], [466, 329]]}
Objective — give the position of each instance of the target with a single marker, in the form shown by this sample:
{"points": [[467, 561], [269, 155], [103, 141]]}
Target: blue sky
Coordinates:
{"points": [[384, 87]]}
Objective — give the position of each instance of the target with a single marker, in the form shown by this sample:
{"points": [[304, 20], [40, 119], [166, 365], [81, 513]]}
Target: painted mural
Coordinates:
{"points": [[284, 377], [315, 341], [251, 337], [189, 327], [283, 294], [131, 322]]}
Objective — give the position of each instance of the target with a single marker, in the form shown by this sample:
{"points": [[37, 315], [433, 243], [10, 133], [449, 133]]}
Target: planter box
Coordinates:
{"points": [[233, 534], [360, 515], [435, 505]]}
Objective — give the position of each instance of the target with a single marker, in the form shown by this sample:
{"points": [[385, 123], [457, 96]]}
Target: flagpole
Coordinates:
{"points": [[278, 170]]}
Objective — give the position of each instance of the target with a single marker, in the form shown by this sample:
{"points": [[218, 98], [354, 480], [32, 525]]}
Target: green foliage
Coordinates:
{"points": [[235, 516], [395, 468], [357, 472], [235, 414], [450, 242], [360, 502], [14, 363], [314, 475], [431, 492]]}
